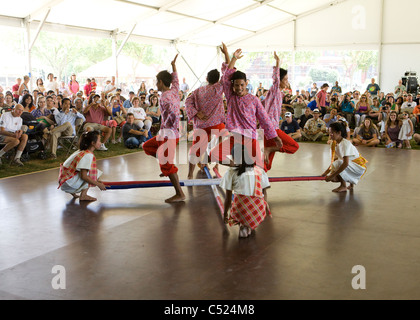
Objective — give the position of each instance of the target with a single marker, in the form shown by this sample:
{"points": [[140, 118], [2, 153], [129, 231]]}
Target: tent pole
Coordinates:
{"points": [[28, 49], [381, 36], [114, 54]]}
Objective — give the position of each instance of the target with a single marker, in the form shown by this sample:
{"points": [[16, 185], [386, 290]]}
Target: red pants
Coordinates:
{"points": [[219, 152], [199, 145], [165, 152], [289, 146]]}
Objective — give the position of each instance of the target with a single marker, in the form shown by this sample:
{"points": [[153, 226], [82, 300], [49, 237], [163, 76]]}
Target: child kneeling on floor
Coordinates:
{"points": [[79, 171], [249, 183]]}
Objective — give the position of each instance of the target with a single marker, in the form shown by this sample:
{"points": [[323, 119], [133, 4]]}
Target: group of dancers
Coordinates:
{"points": [[233, 136]]}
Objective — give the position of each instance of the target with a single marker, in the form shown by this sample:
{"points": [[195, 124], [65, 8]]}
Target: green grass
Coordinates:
{"points": [[35, 164]]}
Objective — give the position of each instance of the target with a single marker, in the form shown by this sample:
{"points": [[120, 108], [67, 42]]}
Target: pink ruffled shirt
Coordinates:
{"points": [[243, 112], [274, 99], [170, 109]]}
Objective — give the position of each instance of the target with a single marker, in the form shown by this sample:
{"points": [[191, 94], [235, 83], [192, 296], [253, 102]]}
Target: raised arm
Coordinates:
{"points": [[236, 56], [173, 63], [225, 52]]}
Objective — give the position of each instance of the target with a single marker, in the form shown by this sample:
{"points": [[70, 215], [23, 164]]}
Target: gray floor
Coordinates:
{"points": [[131, 245]]}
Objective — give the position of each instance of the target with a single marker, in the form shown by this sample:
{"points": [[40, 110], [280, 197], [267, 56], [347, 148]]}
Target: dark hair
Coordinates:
{"points": [[243, 163], [339, 127], [166, 78], [26, 96], [87, 138], [130, 114], [213, 76], [325, 85], [238, 75], [283, 73], [64, 100]]}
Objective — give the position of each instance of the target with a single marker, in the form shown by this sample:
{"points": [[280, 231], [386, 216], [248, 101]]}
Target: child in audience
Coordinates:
{"points": [[406, 131], [249, 183], [79, 171], [347, 165]]}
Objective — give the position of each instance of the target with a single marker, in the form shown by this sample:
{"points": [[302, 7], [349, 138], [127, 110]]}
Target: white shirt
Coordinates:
{"points": [[346, 149], [139, 113], [245, 183], [51, 85], [110, 87], [10, 123]]}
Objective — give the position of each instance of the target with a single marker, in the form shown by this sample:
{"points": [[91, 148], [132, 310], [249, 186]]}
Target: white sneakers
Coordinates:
{"points": [[103, 148]]}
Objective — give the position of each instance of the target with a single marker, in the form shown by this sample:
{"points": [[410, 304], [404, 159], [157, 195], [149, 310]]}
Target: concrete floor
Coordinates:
{"points": [[132, 245]]}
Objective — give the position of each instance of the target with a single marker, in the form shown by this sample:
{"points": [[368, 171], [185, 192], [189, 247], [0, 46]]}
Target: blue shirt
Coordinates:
{"points": [[127, 104], [312, 105], [62, 117], [291, 127]]}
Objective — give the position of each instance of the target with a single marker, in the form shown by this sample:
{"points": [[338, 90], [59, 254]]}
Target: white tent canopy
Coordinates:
{"points": [[388, 26]]}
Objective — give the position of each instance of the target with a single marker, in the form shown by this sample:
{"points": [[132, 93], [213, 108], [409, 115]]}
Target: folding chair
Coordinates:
{"points": [[69, 143]]}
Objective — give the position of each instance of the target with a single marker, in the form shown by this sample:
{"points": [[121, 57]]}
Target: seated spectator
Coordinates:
{"points": [[140, 116], [28, 103], [9, 101], [153, 110], [397, 105], [133, 135], [143, 101], [367, 134], [315, 128], [375, 111], [392, 131], [299, 107], [291, 127], [361, 111], [95, 113], [127, 103], [304, 117], [43, 115], [331, 117], [119, 115], [11, 133], [65, 124]]}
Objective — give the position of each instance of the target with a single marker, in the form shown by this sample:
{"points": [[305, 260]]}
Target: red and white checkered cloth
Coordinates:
{"points": [[249, 211]]}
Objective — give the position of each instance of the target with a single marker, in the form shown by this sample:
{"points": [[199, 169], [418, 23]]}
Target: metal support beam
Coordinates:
{"points": [[125, 40], [39, 29], [381, 40], [114, 54]]}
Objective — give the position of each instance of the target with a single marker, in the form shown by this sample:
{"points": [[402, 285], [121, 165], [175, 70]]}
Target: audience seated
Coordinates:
{"points": [[392, 130], [140, 116], [315, 128], [366, 135], [133, 135], [291, 127], [12, 135]]}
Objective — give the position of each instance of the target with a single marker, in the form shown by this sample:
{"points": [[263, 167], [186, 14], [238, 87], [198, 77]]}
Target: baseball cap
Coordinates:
{"points": [[288, 114], [316, 110]]}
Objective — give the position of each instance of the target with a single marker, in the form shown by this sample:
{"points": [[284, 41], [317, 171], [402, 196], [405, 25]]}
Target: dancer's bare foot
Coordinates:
{"points": [[161, 175], [340, 189], [350, 187], [175, 198], [87, 198], [75, 196]]}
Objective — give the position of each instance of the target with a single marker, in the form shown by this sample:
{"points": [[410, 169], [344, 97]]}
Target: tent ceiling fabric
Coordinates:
{"points": [[201, 22]]}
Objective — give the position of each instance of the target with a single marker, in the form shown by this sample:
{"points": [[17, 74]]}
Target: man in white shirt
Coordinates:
{"points": [[50, 84], [109, 88], [11, 133], [408, 107]]}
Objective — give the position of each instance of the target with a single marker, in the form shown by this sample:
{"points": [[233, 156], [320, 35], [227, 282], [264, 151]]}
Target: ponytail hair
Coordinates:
{"points": [[87, 138], [241, 158]]}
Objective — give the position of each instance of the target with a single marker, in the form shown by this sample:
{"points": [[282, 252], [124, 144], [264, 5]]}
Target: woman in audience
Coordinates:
{"points": [[362, 110], [40, 85], [375, 111], [392, 131], [347, 108], [367, 135], [153, 110], [119, 114], [391, 100], [398, 104], [28, 103], [8, 99], [142, 89]]}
